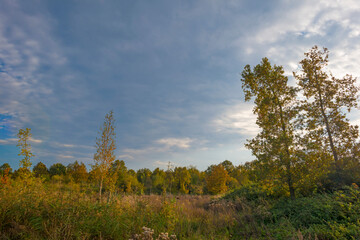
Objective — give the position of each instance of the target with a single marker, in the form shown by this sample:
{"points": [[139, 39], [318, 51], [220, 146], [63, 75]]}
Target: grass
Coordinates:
{"points": [[35, 210], [54, 211]]}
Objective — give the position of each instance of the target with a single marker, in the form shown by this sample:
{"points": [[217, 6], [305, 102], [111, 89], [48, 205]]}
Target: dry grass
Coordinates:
{"points": [[33, 210]]}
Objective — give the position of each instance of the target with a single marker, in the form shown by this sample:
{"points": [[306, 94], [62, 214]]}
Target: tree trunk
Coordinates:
{"points": [[100, 190], [288, 157], [327, 125]]}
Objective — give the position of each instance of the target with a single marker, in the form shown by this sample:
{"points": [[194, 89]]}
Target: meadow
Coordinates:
{"points": [[33, 209]]}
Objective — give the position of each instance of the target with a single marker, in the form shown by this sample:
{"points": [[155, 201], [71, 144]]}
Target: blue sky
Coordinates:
{"points": [[170, 71]]}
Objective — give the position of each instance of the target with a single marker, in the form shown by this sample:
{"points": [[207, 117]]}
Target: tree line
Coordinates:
{"points": [[177, 180]]}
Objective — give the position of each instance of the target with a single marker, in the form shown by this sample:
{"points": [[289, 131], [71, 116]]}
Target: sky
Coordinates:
{"points": [[170, 71]]}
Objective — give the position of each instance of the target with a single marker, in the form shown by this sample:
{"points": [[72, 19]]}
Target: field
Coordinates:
{"points": [[31, 209]]}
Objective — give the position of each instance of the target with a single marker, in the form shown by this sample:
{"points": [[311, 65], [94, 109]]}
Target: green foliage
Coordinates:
{"points": [[197, 181], [321, 216], [77, 171], [304, 212], [251, 192], [57, 169], [274, 146], [182, 179], [144, 177], [328, 216], [158, 179], [328, 133], [40, 170]]}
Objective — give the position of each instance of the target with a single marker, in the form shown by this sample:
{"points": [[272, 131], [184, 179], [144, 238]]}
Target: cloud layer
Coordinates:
{"points": [[170, 71]]}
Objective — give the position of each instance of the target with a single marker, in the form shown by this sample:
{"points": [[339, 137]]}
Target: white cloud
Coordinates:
{"points": [[238, 118], [169, 145], [65, 156], [141, 151], [286, 32], [183, 143], [125, 156], [163, 164], [8, 141], [66, 145], [34, 140], [24, 49], [12, 141]]}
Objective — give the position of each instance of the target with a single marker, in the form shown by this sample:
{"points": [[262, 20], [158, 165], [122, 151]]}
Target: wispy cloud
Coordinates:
{"points": [[9, 141], [13, 141], [24, 51], [34, 140], [141, 151], [168, 145], [65, 156], [66, 145], [125, 156], [238, 118], [165, 164], [183, 143]]}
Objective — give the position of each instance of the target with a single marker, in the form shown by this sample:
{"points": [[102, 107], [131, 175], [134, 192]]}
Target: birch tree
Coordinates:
{"points": [[105, 145]]}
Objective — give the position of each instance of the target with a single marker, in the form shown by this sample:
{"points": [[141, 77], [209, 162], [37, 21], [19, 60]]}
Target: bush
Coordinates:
{"points": [[252, 192]]}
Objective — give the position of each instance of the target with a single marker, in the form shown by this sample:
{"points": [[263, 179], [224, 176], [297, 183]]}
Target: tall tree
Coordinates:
{"points": [[25, 149], [182, 179], [196, 185], [327, 98], [105, 147], [273, 98], [144, 177], [216, 179], [158, 180]]}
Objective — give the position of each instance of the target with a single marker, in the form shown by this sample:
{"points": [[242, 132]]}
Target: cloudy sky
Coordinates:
{"points": [[170, 71]]}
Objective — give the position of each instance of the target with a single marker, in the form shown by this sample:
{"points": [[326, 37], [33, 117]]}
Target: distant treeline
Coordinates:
{"points": [[178, 180]]}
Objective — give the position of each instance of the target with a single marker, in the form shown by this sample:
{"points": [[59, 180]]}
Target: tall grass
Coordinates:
{"points": [[34, 210], [31, 209]]}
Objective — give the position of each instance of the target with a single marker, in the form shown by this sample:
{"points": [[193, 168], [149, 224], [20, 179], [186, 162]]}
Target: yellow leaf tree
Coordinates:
{"points": [[105, 146], [216, 179], [25, 150]]}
